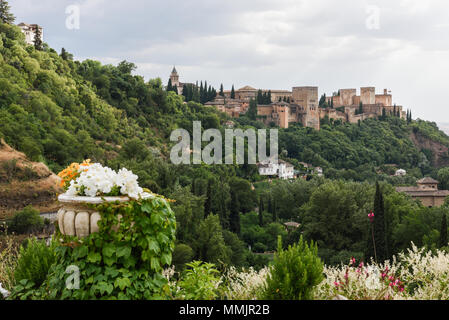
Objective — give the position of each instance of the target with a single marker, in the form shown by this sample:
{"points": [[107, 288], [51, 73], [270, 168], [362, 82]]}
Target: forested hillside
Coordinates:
{"points": [[59, 111]]}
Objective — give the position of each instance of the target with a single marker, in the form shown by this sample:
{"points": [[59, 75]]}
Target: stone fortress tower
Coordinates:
{"points": [[305, 99]]}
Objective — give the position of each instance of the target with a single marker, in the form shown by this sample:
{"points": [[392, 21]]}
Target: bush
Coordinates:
{"points": [[198, 282], [295, 272], [35, 259], [181, 255], [26, 221]]}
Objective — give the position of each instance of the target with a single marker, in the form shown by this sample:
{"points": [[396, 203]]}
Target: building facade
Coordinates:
{"points": [[29, 30], [427, 192]]}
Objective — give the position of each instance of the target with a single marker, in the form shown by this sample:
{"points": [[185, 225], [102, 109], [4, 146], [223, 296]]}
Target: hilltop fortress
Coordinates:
{"points": [[303, 105]]}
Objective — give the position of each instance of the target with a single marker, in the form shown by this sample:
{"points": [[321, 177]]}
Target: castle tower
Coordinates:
{"points": [[307, 99], [347, 96], [368, 95]]}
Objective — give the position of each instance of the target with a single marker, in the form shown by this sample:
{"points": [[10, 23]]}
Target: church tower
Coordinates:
{"points": [[174, 77]]}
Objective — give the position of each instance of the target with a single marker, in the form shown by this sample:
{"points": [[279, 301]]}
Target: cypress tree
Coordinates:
{"points": [[261, 210], [270, 205], [275, 216], [221, 90], [234, 217], [169, 85], [443, 231], [252, 110], [37, 39], [208, 203], [5, 13], [260, 97], [380, 226], [232, 92], [269, 97]]}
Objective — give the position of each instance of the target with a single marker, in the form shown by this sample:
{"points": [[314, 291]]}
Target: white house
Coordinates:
{"points": [[29, 30], [282, 169], [400, 172]]}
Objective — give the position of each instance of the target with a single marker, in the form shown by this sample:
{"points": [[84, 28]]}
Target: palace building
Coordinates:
{"points": [[302, 104]]}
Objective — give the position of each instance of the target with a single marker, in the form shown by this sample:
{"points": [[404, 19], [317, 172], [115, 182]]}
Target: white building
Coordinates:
{"points": [[29, 30], [400, 173], [282, 169]]}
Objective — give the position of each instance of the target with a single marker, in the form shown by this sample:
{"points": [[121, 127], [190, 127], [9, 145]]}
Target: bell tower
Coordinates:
{"points": [[174, 77]]}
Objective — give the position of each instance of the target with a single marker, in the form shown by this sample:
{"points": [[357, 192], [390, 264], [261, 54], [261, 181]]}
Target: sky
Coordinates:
{"points": [[401, 45]]}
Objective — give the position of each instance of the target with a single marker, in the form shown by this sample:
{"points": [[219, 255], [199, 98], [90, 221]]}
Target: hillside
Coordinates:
{"points": [[23, 183]]}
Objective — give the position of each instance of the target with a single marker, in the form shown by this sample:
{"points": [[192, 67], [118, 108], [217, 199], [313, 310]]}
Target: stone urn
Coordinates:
{"points": [[75, 218]]}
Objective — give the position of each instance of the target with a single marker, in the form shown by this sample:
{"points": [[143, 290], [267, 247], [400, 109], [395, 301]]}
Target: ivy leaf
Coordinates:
{"points": [[105, 287], [166, 259], [146, 207], [123, 252], [153, 246], [94, 257], [80, 252], [108, 251], [155, 265], [122, 283]]}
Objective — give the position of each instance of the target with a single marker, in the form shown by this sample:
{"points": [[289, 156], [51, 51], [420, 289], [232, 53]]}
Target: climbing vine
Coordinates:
{"points": [[124, 260]]}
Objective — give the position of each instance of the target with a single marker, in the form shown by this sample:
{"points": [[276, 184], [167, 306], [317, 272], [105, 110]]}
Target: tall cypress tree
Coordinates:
{"points": [[169, 85], [380, 226], [232, 92], [252, 109], [208, 203], [261, 210], [275, 215], [443, 231], [5, 13], [234, 217], [221, 90], [37, 39]]}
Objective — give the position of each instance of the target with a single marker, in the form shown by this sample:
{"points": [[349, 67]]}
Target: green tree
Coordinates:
{"points": [[261, 211], [221, 90], [5, 13], [232, 92], [234, 217], [443, 232], [380, 227], [210, 245], [443, 178], [38, 39], [252, 110], [295, 272]]}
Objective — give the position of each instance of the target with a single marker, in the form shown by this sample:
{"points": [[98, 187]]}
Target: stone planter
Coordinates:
{"points": [[75, 218]]}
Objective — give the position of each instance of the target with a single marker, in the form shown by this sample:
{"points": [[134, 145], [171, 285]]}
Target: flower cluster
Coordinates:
{"points": [[95, 180], [371, 216], [72, 172], [361, 282]]}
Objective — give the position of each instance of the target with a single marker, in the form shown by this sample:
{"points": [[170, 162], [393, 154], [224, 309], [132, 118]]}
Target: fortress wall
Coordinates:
{"points": [[385, 99]]}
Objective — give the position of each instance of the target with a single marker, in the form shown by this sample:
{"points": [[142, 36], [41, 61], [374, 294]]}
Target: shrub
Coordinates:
{"points": [[295, 272], [35, 260], [181, 255], [26, 221], [198, 282]]}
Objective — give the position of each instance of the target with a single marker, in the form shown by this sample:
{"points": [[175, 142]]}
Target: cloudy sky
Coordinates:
{"points": [[402, 45]]}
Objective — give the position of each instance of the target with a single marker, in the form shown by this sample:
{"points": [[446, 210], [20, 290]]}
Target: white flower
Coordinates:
{"points": [[97, 180], [4, 292], [127, 181]]}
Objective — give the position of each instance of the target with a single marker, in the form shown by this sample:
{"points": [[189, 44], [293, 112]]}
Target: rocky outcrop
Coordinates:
{"points": [[23, 183], [439, 150]]}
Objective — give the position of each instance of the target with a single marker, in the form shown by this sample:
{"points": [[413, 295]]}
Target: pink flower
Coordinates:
{"points": [[371, 217], [352, 261], [336, 284]]}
